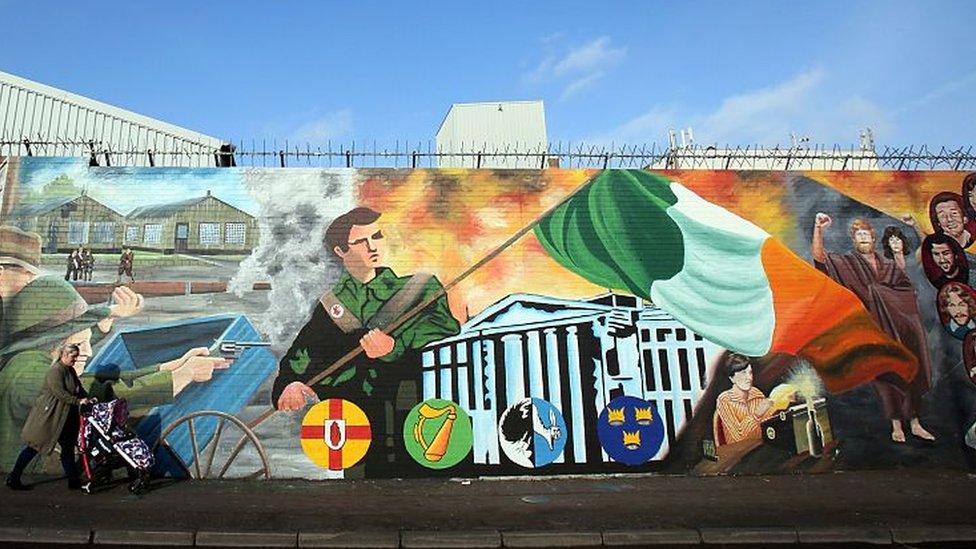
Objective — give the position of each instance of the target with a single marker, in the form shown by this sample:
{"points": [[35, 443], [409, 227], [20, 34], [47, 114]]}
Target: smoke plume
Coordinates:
{"points": [[296, 206]]}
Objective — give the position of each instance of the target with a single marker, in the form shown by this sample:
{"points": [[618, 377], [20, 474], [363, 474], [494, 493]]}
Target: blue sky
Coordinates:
{"points": [[735, 72]]}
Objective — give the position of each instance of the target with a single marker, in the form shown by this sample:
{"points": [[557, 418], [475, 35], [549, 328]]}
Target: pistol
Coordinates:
{"points": [[233, 349]]}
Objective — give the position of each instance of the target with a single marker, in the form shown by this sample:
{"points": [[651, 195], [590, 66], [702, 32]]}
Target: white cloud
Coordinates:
{"points": [[805, 104], [946, 89], [762, 115], [645, 128], [575, 68], [580, 84], [333, 125], [541, 72], [590, 57]]}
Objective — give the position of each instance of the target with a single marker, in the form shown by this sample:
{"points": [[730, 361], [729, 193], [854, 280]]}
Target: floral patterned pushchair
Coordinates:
{"points": [[107, 444]]}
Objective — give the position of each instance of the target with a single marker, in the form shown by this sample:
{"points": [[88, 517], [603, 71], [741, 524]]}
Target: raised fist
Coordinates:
{"points": [[822, 221]]}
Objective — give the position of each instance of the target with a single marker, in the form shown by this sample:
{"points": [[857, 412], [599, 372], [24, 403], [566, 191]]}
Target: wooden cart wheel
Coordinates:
{"points": [[206, 470]]}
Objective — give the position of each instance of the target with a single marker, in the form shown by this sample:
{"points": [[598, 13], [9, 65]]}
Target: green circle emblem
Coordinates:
{"points": [[437, 433]]}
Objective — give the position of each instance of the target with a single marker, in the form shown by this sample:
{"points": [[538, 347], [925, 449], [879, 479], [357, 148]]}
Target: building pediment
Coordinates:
{"points": [[522, 309]]}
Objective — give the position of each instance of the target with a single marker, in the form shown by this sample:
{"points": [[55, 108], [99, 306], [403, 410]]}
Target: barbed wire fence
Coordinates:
{"points": [[406, 154]]}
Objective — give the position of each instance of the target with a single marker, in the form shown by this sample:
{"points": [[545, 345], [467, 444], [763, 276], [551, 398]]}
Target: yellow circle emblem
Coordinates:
{"points": [[335, 434]]}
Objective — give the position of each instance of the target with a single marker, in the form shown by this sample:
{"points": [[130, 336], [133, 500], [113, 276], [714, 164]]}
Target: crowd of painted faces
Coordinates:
{"points": [[946, 266]]}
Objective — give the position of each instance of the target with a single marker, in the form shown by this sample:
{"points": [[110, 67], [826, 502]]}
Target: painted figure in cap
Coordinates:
{"points": [[20, 255], [47, 314]]}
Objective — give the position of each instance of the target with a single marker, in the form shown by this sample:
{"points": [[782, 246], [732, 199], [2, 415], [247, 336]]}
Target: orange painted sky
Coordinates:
{"points": [[443, 221], [894, 193]]}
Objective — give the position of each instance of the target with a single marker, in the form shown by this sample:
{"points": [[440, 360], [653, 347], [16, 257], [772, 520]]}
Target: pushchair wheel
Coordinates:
{"points": [[87, 488]]}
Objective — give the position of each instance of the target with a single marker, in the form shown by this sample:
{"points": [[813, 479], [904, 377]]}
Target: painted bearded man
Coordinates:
{"points": [[943, 260], [368, 297], [887, 293]]}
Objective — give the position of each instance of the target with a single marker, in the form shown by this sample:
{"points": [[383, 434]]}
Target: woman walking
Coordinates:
{"points": [[54, 420]]}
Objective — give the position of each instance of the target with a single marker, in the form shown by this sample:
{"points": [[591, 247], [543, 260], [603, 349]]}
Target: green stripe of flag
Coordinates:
{"points": [[616, 233]]}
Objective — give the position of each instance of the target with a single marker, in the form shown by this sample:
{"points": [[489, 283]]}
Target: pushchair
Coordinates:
{"points": [[107, 444]]}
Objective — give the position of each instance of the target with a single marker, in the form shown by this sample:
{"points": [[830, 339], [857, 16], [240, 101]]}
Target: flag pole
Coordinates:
{"points": [[343, 360]]}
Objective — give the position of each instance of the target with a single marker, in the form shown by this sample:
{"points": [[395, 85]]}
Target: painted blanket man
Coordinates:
{"points": [[888, 294], [367, 298]]}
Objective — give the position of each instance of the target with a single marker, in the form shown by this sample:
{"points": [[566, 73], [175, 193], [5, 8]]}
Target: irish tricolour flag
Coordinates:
{"points": [[719, 274]]}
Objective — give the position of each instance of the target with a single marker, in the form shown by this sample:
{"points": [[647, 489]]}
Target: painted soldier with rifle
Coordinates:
{"points": [[359, 311]]}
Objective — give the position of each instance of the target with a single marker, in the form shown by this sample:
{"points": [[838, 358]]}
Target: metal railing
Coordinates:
{"points": [[403, 154]]}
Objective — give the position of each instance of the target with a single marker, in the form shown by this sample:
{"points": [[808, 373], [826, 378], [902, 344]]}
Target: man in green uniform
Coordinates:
{"points": [[367, 298], [47, 314]]}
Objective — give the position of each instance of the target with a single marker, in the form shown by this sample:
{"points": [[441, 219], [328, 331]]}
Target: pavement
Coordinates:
{"points": [[906, 508]]}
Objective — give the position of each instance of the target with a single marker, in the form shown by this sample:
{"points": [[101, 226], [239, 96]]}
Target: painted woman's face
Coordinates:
{"points": [[896, 245], [971, 196], [958, 309]]}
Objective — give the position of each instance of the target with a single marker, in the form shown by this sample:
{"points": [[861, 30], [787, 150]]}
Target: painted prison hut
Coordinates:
{"points": [[229, 390], [204, 225], [578, 355], [69, 222]]}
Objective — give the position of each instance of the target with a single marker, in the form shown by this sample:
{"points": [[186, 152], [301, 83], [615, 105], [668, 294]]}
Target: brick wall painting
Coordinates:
{"points": [[696, 322]]}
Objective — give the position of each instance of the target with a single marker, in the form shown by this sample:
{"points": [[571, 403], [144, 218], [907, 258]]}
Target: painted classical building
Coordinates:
{"points": [[204, 225], [579, 355]]}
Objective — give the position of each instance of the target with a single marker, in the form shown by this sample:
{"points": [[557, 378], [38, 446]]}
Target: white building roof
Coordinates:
{"points": [[43, 114], [494, 127]]}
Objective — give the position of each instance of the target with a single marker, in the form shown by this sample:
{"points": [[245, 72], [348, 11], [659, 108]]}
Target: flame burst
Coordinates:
{"points": [[804, 379]]}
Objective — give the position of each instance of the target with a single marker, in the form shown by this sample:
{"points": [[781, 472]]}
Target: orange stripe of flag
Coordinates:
{"points": [[822, 321]]}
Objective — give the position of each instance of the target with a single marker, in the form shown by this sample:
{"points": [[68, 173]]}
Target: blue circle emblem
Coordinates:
{"points": [[630, 430]]}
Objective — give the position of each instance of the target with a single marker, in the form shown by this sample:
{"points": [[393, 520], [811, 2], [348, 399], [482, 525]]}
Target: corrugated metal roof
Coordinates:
{"points": [[31, 110], [40, 208], [163, 210], [170, 208]]}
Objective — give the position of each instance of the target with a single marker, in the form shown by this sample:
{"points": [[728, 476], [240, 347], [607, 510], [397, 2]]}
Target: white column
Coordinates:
{"points": [[478, 371], [514, 363], [446, 372], [576, 395], [463, 369], [534, 352], [552, 376], [429, 376], [486, 421], [552, 368]]}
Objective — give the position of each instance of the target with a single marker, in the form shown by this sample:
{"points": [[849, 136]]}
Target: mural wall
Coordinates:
{"points": [[350, 323]]}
